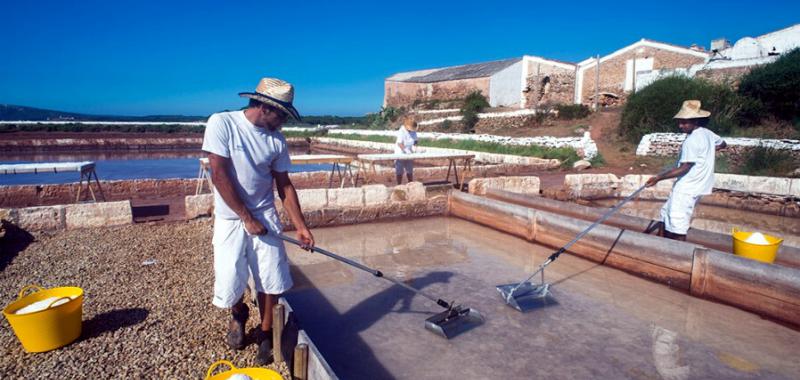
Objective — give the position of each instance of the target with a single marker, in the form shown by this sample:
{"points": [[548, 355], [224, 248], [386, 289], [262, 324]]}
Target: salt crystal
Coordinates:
{"points": [[43, 304], [757, 238]]}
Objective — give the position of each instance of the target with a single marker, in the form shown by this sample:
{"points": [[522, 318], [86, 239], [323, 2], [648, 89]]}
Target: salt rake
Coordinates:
{"points": [[455, 320], [525, 295]]}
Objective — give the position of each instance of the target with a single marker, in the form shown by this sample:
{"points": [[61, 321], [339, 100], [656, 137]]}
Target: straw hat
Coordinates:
{"points": [[410, 124], [691, 110], [276, 93]]}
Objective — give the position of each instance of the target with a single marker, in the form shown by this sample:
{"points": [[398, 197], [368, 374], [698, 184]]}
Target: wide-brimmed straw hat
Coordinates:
{"points": [[410, 124], [275, 92], [691, 110]]}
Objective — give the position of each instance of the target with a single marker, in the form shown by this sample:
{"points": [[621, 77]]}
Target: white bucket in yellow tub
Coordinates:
{"points": [[756, 246], [253, 373], [47, 318]]}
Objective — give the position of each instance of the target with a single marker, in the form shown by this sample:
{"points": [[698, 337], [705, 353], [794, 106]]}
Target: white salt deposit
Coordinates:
{"points": [[43, 304], [239, 376], [757, 238]]}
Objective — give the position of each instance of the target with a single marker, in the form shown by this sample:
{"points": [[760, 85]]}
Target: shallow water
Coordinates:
{"points": [[122, 166], [601, 323]]}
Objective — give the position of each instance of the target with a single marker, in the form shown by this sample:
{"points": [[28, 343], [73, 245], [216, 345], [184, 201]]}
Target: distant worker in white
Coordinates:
{"points": [[406, 140], [247, 152], [694, 170]]}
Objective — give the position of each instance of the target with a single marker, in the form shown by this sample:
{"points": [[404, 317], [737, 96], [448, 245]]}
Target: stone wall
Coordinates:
{"points": [[548, 84], [768, 195], [521, 184], [122, 143], [62, 217], [729, 75], [613, 71], [403, 94], [584, 145], [329, 207], [669, 144]]}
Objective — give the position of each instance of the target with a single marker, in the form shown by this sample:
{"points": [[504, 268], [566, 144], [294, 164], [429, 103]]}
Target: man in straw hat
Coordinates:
{"points": [[404, 144], [247, 152], [694, 170]]}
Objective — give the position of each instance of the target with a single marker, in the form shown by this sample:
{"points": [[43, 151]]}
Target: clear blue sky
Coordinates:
{"points": [[192, 58]]}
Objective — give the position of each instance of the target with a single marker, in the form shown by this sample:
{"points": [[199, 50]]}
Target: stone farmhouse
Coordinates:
{"points": [[529, 82]]}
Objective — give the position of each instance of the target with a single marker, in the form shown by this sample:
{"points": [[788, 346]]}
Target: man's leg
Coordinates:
{"points": [[230, 277], [410, 171], [674, 236], [266, 302], [270, 268], [398, 171], [239, 315]]}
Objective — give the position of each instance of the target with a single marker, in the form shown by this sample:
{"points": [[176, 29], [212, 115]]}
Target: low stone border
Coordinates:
{"points": [[66, 217], [584, 145], [609, 185], [669, 144], [522, 185], [483, 157], [331, 207]]}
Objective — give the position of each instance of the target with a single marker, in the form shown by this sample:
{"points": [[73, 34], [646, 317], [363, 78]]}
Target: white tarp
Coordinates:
{"points": [[46, 167]]}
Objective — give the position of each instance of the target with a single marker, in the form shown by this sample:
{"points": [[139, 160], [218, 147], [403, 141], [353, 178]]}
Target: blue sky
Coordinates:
{"points": [[192, 58]]}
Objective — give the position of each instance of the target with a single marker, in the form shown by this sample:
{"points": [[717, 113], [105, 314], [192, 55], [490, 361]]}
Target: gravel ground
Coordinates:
{"points": [[139, 321]]}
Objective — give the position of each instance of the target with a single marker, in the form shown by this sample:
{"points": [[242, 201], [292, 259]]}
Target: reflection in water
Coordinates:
{"points": [[667, 355]]}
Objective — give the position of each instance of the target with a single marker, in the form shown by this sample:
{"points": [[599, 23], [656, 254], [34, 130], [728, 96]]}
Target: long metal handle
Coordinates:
{"points": [[564, 248], [367, 269]]}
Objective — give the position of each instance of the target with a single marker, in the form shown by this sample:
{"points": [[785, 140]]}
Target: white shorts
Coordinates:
{"points": [[238, 255], [677, 212]]}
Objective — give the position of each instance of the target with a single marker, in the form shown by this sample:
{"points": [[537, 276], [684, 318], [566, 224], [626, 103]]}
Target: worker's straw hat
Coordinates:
{"points": [[274, 92], [691, 110], [410, 124]]}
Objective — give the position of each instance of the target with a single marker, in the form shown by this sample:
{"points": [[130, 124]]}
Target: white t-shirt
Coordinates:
{"points": [[699, 148], [407, 138], [254, 152]]}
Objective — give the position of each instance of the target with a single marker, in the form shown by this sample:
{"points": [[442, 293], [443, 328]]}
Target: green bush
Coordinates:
{"points": [[474, 103], [447, 124], [651, 109], [776, 86], [767, 161], [572, 111]]}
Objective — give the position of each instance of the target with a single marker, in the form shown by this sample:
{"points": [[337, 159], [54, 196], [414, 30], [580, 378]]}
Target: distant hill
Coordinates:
{"points": [[10, 112]]}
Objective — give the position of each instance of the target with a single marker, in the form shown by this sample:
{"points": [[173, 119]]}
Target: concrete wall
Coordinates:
{"points": [[505, 87], [403, 94], [63, 217]]}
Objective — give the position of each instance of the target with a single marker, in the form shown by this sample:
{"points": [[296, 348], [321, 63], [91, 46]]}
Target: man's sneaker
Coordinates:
{"points": [[235, 336], [264, 355]]}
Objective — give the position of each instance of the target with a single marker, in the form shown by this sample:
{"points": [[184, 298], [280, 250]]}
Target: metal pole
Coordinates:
{"points": [[597, 83]]}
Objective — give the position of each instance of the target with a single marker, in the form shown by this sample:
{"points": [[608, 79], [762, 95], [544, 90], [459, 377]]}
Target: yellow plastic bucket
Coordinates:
{"points": [[50, 328], [760, 252], [255, 373]]}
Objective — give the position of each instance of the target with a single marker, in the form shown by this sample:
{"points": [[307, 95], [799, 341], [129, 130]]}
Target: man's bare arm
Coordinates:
{"points": [[224, 185], [721, 146], [676, 172], [291, 204]]}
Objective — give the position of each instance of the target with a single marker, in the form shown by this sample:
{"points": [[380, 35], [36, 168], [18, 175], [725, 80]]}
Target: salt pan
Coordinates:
{"points": [[757, 238], [43, 304]]}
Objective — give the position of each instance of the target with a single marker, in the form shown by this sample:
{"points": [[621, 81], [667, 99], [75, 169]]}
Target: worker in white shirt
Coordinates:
{"points": [[694, 170], [406, 140]]}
